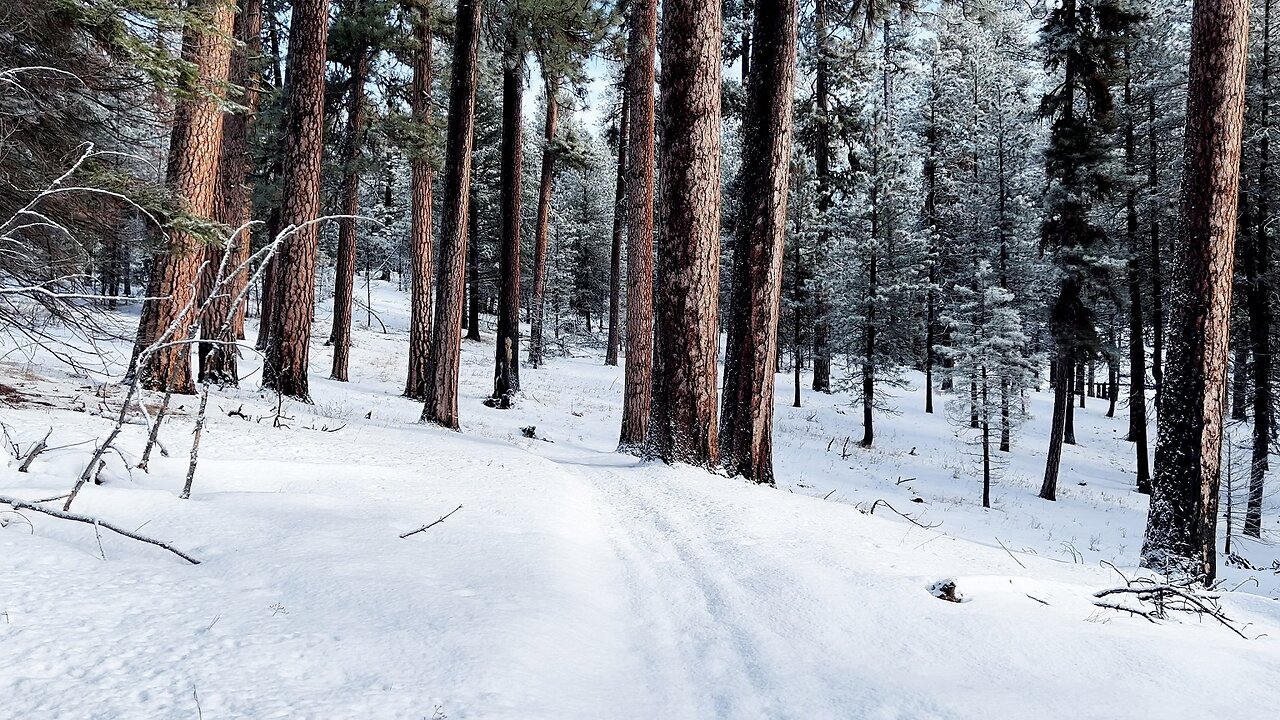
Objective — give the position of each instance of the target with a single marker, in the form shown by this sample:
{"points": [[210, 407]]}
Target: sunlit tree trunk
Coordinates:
{"points": [[751, 346], [1181, 535], [682, 415]]}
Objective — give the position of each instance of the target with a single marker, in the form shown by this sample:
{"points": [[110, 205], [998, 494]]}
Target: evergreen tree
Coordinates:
{"points": [[1081, 42]]}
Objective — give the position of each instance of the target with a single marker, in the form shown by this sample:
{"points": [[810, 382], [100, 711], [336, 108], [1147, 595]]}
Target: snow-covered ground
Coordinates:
{"points": [[579, 583]]}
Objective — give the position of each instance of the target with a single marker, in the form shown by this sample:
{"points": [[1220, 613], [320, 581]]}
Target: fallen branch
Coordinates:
{"points": [[35, 451], [24, 505], [154, 436], [904, 516], [1164, 598], [1024, 567], [431, 524]]}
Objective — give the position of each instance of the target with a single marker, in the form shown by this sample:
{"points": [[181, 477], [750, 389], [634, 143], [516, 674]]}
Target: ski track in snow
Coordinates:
{"points": [[580, 583]]}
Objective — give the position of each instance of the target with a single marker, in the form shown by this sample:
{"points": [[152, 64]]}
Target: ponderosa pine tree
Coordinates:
{"points": [[506, 370], [1081, 41], [233, 207], [1181, 537], [1255, 273], [441, 405], [542, 226], [195, 148], [619, 226], [421, 251], [1137, 343], [352, 40], [682, 414], [302, 142], [638, 373], [822, 166], [751, 345]]}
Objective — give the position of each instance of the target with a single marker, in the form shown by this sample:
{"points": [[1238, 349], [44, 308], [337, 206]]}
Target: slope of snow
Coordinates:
{"points": [[579, 583]]}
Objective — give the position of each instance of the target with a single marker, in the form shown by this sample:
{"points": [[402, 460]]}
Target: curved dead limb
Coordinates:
{"points": [[24, 505], [903, 515]]}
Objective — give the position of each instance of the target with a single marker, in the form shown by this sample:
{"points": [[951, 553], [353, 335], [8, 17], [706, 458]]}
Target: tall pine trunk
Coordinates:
{"points": [[1181, 535], [751, 346], [822, 166], [1258, 289], [682, 415], [345, 276], [638, 373], [195, 148], [233, 208], [541, 228], [421, 252], [619, 227], [1137, 346], [506, 369], [289, 343], [441, 405]]}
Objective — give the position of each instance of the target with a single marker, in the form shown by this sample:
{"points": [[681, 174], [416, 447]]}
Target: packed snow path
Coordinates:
{"points": [[579, 583]]}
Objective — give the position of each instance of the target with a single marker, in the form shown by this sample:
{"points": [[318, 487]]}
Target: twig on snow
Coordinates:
{"points": [[431, 524], [903, 515], [1024, 567]]}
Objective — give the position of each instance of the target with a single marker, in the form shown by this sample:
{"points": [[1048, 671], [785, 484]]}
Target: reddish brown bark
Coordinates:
{"points": [[233, 208], [191, 175], [682, 415], [1181, 535], [345, 274], [638, 373], [422, 254], [289, 342], [751, 346], [441, 406]]}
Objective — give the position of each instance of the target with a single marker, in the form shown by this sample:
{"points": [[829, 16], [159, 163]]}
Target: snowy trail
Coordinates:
{"points": [[580, 584], [749, 602]]}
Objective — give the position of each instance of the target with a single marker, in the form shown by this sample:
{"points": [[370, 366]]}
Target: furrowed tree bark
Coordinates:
{"points": [[289, 343], [682, 415], [619, 226], [543, 224], [751, 345], [195, 147], [441, 405], [345, 275], [506, 369], [638, 373], [1181, 535], [233, 207], [421, 252]]}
